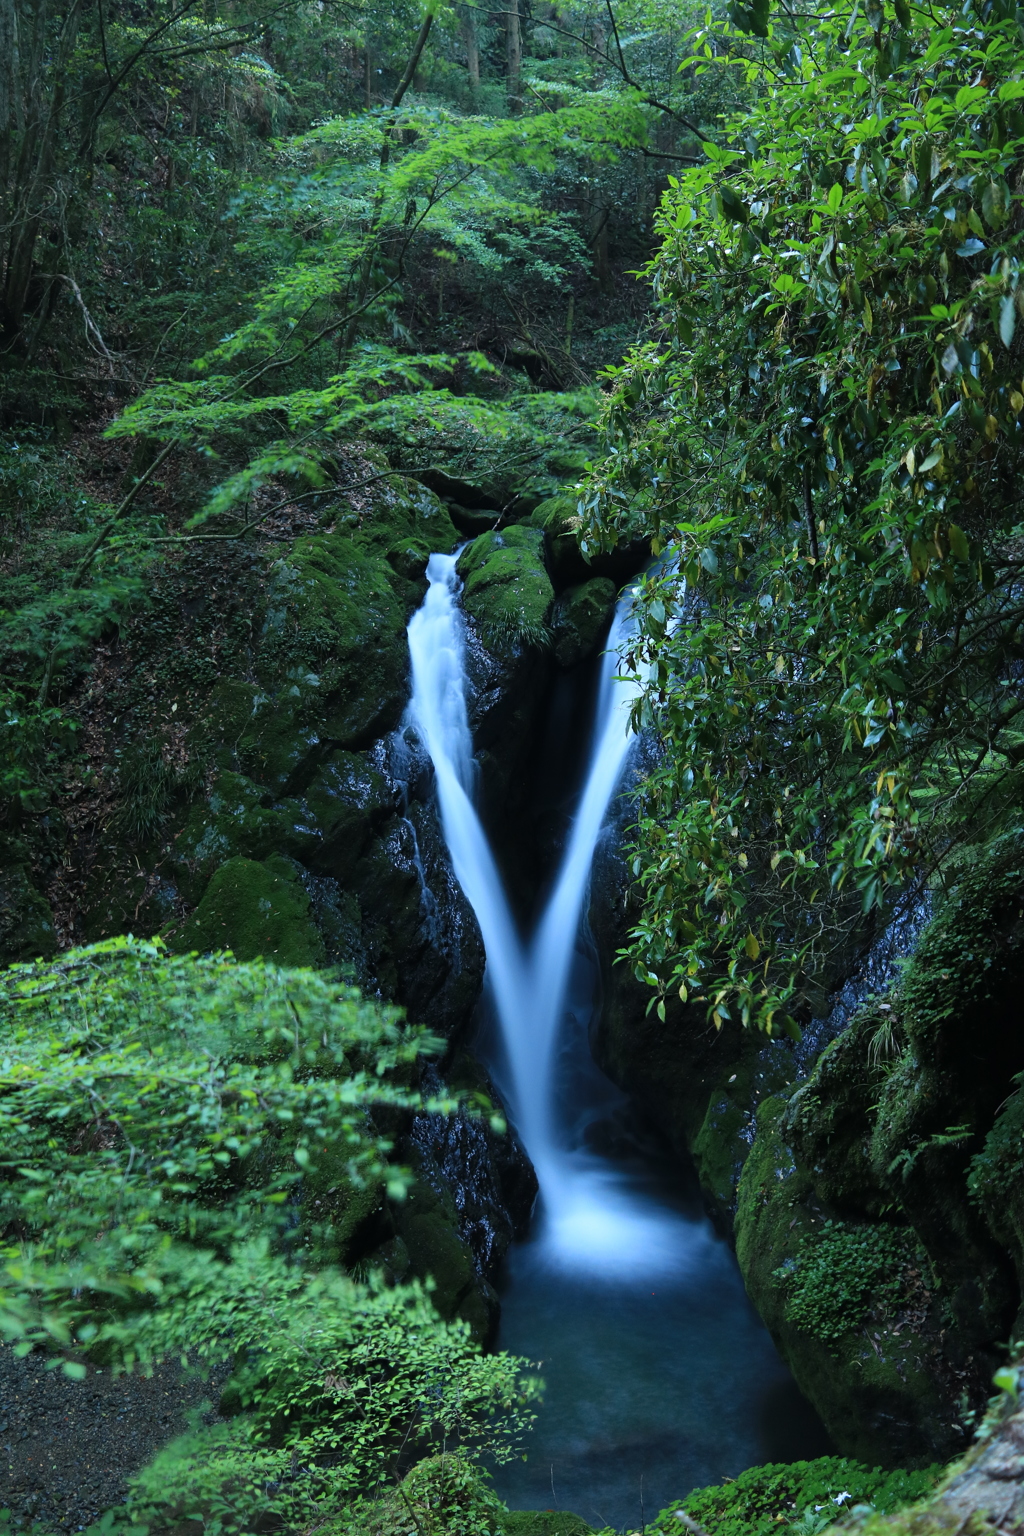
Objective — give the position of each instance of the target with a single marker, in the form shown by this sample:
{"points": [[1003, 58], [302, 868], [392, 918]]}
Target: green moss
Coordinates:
{"points": [[722, 1143], [830, 1117], [232, 822], [427, 1224], [543, 1522], [996, 1179], [841, 1272], [332, 658], [404, 513], [763, 1498], [580, 617], [257, 910], [27, 930], [507, 588], [873, 1380]]}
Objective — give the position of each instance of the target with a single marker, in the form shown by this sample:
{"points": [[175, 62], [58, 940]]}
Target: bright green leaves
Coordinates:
{"points": [[191, 1097], [839, 424]]}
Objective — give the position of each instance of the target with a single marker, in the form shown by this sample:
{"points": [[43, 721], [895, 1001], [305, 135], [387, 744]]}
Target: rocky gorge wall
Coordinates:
{"points": [[244, 782], [869, 1177], [264, 797]]}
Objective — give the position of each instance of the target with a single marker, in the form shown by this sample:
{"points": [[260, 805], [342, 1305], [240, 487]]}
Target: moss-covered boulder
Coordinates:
{"points": [[232, 821], [427, 1223], [847, 1304], [331, 661], [258, 910], [27, 930], [406, 523], [346, 803], [580, 618], [507, 589], [960, 1015]]}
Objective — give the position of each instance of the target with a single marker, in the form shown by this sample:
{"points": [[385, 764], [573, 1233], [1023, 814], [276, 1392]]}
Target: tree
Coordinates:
{"points": [[823, 440]]}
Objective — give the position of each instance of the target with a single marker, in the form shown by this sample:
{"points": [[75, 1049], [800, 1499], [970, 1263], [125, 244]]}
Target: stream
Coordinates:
{"points": [[659, 1375]]}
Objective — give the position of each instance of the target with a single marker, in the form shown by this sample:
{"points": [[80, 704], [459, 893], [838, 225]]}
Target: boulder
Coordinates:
{"points": [[507, 589], [580, 619], [259, 910]]}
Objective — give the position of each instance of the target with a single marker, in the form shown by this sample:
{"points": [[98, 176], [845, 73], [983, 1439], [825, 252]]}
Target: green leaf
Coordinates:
{"points": [[1007, 319], [835, 197], [958, 542], [992, 205]]}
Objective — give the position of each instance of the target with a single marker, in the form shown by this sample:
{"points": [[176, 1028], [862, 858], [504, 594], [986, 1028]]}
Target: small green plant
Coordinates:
{"points": [[841, 1271], [803, 1495]]}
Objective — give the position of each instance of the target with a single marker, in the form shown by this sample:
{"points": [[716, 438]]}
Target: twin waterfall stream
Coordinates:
{"points": [[659, 1375]]}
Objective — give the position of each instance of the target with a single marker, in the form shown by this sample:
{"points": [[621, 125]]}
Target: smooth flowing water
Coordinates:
{"points": [[659, 1375]]}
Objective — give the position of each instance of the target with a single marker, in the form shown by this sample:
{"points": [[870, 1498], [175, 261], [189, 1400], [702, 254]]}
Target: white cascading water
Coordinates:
{"points": [[592, 1219]]}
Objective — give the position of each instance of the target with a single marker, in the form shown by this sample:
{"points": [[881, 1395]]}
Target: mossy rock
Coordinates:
{"points": [[27, 930], [874, 1381], [332, 659], [257, 910], [231, 822], [427, 1224], [507, 588], [580, 619], [763, 1498], [347, 801], [960, 1013], [829, 1118], [543, 1522], [996, 1183], [406, 513]]}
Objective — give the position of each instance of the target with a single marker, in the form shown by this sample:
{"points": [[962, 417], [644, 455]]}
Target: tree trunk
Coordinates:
{"points": [[472, 51], [514, 51], [599, 221]]}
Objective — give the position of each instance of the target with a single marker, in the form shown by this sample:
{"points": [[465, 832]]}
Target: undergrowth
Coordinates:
{"points": [[841, 1271], [806, 1494]]}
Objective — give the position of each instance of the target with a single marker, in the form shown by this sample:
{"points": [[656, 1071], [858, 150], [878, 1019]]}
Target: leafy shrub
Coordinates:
{"points": [[442, 1496], [149, 1101], [841, 1271], [167, 1122], [761, 1498], [343, 1385]]}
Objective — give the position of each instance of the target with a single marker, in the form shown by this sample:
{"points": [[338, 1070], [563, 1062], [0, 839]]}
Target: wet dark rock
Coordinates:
{"points": [[26, 921], [487, 1173]]}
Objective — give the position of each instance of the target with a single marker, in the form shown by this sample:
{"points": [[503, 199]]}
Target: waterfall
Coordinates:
{"points": [[592, 1219]]}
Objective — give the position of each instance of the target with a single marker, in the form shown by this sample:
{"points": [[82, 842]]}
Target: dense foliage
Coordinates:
{"points": [[151, 1102], [824, 441], [807, 1495], [843, 1270], [188, 1145]]}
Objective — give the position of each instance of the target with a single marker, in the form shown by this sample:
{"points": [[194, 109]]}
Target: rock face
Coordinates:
{"points": [[872, 1182], [266, 799]]}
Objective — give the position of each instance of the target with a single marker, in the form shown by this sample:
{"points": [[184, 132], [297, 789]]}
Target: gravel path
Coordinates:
{"points": [[67, 1447]]}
